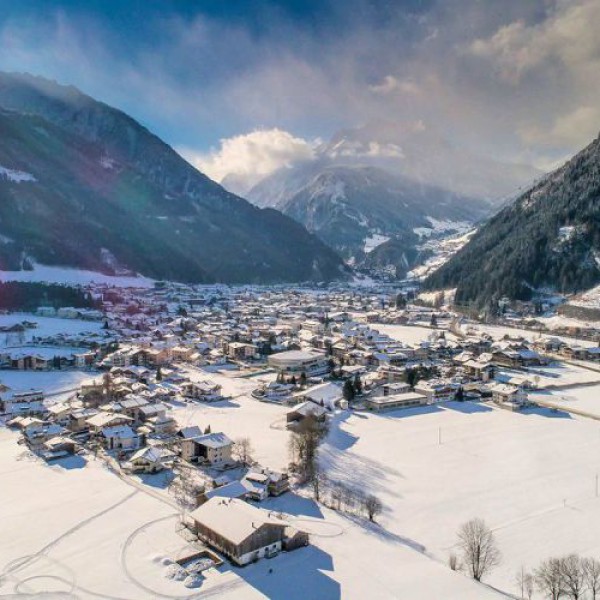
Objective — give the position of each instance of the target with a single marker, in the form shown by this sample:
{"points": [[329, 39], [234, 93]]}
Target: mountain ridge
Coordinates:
{"points": [[548, 238], [118, 196]]}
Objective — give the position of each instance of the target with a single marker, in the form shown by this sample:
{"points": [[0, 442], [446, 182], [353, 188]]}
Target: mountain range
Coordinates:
{"points": [[82, 184], [390, 184]]}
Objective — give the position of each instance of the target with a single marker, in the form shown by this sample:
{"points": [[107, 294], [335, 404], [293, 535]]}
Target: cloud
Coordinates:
{"points": [[242, 160], [496, 82], [568, 38], [390, 84], [574, 128]]}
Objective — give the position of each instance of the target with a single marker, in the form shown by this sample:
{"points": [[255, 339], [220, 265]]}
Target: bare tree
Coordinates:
{"points": [[243, 450], [525, 583], [337, 495], [304, 444], [529, 586], [549, 578], [373, 507], [349, 498], [591, 571], [453, 562], [479, 551], [319, 482], [573, 576], [186, 487]]}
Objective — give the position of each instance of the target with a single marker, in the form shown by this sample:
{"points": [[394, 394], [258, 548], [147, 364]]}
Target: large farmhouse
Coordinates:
{"points": [[243, 532]]}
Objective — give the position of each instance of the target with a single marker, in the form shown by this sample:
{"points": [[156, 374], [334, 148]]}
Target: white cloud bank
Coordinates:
{"points": [[243, 160]]}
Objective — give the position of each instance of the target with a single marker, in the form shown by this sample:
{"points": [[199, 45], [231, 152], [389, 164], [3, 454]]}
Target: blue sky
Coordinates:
{"points": [[515, 78]]}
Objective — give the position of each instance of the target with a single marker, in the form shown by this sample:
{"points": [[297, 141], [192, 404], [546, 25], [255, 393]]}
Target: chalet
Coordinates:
{"points": [[509, 396], [436, 391], [240, 531], [303, 410], [150, 459], [58, 447], [328, 395], [202, 390], [120, 437], [212, 448]]}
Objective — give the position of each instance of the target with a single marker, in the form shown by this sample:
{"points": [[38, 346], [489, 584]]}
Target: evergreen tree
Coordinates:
{"points": [[358, 388], [348, 390]]}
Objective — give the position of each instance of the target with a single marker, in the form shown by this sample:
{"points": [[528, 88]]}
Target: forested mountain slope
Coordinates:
{"points": [[548, 238], [83, 184]]}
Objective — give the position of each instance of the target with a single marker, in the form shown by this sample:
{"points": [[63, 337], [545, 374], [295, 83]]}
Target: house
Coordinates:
{"points": [[303, 410], [509, 396], [149, 460], [233, 489], [29, 402], [261, 483], [58, 447], [202, 390], [240, 531], [328, 395], [241, 351], [256, 485], [98, 422], [436, 391], [213, 448], [120, 437]]}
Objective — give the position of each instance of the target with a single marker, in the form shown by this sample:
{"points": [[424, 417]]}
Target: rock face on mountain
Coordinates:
{"points": [[84, 185], [548, 238], [356, 209]]}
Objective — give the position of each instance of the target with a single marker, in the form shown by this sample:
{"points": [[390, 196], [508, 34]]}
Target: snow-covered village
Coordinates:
{"points": [[191, 441], [300, 300]]}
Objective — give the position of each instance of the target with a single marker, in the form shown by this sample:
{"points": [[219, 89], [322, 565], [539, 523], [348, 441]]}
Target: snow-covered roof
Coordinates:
{"points": [[235, 520], [214, 440]]}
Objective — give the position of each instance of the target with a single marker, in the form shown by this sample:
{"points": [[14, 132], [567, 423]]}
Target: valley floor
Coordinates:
{"points": [[76, 528]]}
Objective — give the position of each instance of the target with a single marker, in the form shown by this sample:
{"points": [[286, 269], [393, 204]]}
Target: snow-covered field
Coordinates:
{"points": [[582, 398], [410, 334], [46, 326], [65, 275], [498, 332], [50, 382], [531, 476], [558, 375]]}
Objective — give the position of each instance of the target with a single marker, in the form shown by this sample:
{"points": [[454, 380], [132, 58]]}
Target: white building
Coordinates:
{"points": [[296, 362]]}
